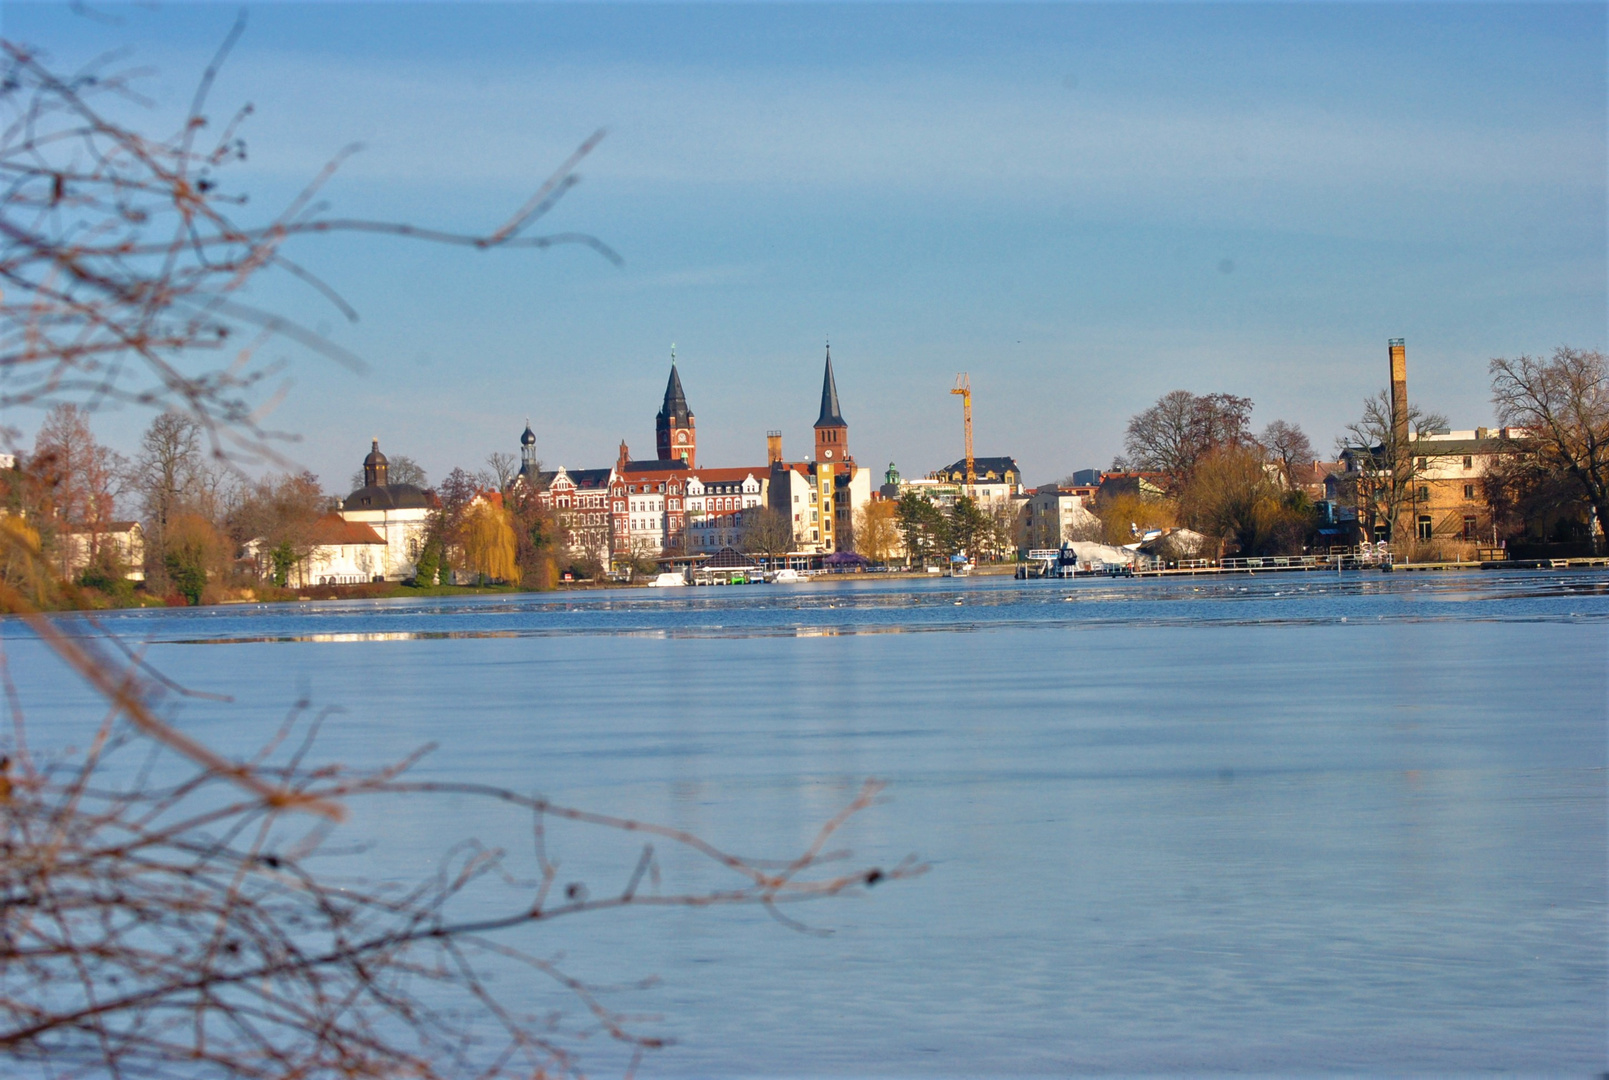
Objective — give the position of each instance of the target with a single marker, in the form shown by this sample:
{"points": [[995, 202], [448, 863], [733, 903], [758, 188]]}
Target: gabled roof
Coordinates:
{"points": [[582, 478], [334, 530], [1315, 472], [730, 559], [830, 416], [675, 406]]}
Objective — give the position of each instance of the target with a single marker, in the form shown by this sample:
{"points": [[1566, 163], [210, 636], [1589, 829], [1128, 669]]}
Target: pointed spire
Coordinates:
{"points": [[830, 416], [675, 406]]}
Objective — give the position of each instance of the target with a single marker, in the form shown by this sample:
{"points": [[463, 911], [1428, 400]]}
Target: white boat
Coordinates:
{"points": [[787, 576], [668, 580]]}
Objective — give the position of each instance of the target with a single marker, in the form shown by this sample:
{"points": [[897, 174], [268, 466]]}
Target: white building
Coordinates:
{"points": [[124, 541], [1053, 513], [398, 513], [716, 501], [342, 553]]}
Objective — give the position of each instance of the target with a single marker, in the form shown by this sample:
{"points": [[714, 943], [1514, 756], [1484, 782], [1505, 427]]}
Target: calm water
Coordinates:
{"points": [[1310, 823]]}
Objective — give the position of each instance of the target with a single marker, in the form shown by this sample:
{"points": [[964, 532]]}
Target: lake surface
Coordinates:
{"points": [[1285, 823]]}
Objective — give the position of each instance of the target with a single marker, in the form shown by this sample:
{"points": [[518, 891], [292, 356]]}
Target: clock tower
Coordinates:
{"points": [[676, 435], [832, 434]]}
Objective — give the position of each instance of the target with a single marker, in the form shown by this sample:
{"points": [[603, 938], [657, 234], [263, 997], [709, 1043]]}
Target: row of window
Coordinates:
{"points": [[1424, 492], [1425, 528]]}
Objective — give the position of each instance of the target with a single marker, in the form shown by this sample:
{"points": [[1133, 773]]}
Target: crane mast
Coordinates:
{"points": [[963, 386]]}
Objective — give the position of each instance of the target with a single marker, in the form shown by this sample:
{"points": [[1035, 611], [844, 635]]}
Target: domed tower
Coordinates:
{"points": [[528, 463], [676, 435], [375, 467]]}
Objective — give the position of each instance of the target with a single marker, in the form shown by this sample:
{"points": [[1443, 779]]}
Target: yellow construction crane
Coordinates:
{"points": [[963, 386]]}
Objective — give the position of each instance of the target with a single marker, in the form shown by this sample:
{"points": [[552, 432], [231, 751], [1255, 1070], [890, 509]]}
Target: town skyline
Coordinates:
{"points": [[1084, 208]]}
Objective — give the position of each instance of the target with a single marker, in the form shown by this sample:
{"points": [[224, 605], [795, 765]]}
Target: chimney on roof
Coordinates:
{"points": [[773, 448]]}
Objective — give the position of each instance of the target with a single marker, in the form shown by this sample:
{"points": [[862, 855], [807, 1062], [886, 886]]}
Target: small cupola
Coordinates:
{"points": [[375, 467]]}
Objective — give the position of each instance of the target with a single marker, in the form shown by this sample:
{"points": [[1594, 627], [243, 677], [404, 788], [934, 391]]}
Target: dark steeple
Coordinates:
{"points": [[675, 407], [830, 416], [832, 434], [675, 434]]}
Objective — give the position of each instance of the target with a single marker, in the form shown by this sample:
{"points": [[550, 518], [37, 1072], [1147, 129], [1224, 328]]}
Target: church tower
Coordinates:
{"points": [[832, 434], [675, 433], [528, 462]]}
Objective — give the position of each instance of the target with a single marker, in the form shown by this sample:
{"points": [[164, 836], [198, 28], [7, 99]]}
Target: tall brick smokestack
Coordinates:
{"points": [[1399, 391], [773, 447]]}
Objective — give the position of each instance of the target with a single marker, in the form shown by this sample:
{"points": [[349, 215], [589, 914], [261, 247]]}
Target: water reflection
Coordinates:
{"points": [[1294, 823]]}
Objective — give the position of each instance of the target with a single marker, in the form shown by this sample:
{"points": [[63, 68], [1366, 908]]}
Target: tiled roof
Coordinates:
{"points": [[730, 476], [334, 530]]}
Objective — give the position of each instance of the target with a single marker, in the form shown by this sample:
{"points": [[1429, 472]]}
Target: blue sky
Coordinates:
{"points": [[1084, 206]]}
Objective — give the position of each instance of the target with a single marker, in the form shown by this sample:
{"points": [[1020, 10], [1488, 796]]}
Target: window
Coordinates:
{"points": [[1469, 526], [1469, 461], [1469, 491], [1418, 463], [1424, 494], [1424, 527]]}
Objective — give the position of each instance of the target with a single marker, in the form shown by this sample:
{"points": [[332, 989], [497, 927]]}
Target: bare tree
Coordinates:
{"points": [[768, 532], [503, 467], [278, 513], [166, 471], [1286, 446], [1562, 404], [79, 481], [1382, 469], [1182, 428], [1231, 497], [187, 929]]}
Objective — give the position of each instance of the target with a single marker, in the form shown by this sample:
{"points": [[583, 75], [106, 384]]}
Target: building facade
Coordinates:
{"points": [[821, 497], [1052, 513], [717, 500], [650, 507], [1438, 475], [398, 513]]}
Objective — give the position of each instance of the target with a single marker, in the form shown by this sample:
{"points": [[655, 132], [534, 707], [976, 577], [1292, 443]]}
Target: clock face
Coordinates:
{"points": [[827, 454], [681, 436]]}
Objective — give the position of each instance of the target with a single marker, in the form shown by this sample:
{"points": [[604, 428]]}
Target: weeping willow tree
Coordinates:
{"points": [[489, 543]]}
